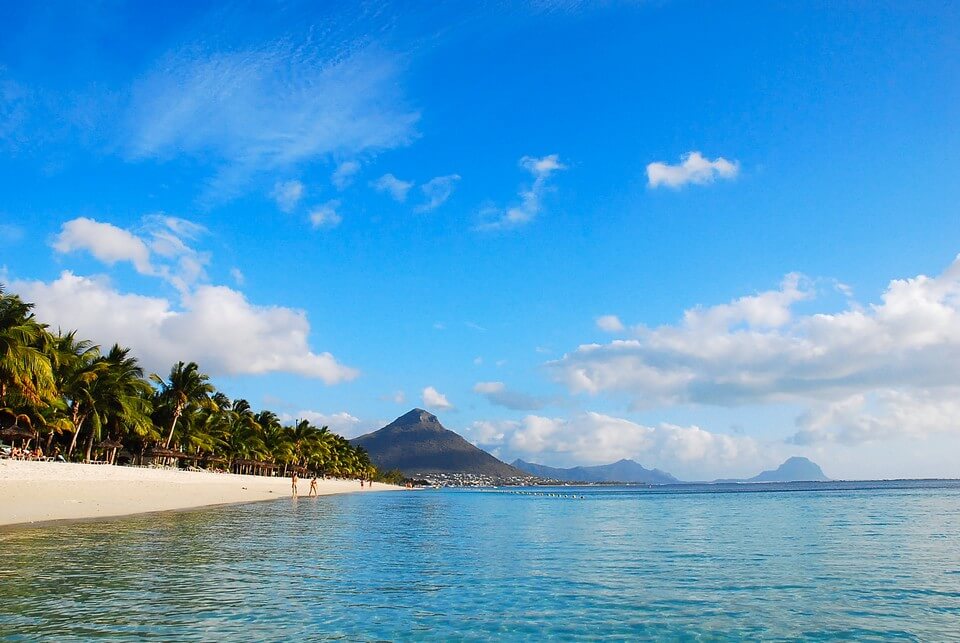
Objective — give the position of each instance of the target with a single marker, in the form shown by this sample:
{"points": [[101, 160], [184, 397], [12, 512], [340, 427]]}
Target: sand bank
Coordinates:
{"points": [[43, 491]]}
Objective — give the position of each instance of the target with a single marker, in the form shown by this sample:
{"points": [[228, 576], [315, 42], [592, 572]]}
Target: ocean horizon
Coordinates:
{"points": [[830, 561]]}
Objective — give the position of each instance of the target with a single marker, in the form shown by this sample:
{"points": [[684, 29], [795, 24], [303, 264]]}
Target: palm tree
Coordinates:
{"points": [[76, 367], [25, 369], [186, 388], [121, 398]]}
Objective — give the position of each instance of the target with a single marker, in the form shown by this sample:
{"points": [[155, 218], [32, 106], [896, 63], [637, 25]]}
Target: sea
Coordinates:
{"points": [[851, 561]]}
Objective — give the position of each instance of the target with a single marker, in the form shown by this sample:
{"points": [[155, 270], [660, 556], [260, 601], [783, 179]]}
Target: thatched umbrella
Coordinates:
{"points": [[111, 446], [16, 432], [161, 452]]}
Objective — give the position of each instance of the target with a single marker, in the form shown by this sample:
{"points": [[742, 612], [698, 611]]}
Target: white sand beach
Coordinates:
{"points": [[33, 492]]}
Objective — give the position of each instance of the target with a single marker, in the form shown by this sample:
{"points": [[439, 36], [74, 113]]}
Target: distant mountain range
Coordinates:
{"points": [[621, 471], [416, 443], [795, 469]]}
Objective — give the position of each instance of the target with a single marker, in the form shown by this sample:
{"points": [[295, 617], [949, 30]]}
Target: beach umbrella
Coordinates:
{"points": [[16, 432], [111, 446]]}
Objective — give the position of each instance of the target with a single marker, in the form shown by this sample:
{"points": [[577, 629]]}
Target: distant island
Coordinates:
{"points": [[795, 469], [620, 471]]}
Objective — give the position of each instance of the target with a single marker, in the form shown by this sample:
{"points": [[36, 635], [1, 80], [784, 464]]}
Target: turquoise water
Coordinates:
{"points": [[835, 561]]}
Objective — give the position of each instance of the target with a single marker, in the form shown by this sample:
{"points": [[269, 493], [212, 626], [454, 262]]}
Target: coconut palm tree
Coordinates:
{"points": [[25, 369], [186, 389], [77, 365], [121, 398]]}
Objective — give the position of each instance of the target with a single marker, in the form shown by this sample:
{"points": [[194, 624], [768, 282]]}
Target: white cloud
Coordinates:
{"points": [[864, 372], [106, 242], [693, 168], [341, 423], [158, 249], [434, 399], [393, 186], [610, 324], [267, 107], [214, 326], [237, 275], [436, 191], [881, 415], [343, 175], [287, 194], [326, 215], [497, 393], [531, 198], [596, 438]]}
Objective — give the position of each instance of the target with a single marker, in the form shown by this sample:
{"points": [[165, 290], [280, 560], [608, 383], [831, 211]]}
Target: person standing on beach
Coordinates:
{"points": [[293, 483], [313, 486]]}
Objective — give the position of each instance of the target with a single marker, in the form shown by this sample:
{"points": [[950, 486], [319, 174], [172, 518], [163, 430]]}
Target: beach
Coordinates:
{"points": [[36, 492]]}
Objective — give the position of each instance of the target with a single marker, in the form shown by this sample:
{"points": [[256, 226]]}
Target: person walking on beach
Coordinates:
{"points": [[293, 483], [313, 486]]}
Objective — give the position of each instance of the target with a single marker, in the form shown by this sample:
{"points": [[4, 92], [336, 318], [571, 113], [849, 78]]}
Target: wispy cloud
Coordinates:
{"points": [[693, 168], [531, 197], [498, 393], [266, 108], [326, 215], [287, 194], [436, 191], [393, 186], [343, 175]]}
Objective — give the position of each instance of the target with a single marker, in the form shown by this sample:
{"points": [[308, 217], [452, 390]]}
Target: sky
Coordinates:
{"points": [[704, 236]]}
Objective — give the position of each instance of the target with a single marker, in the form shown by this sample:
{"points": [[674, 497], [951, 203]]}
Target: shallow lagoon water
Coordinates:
{"points": [[714, 562]]}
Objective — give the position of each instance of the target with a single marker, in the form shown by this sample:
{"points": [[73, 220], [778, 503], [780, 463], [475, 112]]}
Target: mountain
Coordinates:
{"points": [[795, 469], [416, 443], [622, 471]]}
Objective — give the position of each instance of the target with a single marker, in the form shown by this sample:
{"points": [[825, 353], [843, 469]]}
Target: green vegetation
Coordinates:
{"points": [[67, 396]]}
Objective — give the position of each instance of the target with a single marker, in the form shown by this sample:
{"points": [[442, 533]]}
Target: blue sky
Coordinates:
{"points": [[574, 223]]}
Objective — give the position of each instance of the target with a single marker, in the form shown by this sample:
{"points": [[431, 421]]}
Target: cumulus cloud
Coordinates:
{"points": [[158, 248], [693, 168], [864, 372], [881, 415], [393, 186], [341, 423], [610, 324], [531, 197], [498, 393], [326, 215], [287, 194], [343, 175], [596, 438], [106, 242], [436, 191], [266, 107], [215, 326], [434, 399]]}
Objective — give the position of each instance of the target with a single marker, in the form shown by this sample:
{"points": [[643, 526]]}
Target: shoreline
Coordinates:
{"points": [[43, 493]]}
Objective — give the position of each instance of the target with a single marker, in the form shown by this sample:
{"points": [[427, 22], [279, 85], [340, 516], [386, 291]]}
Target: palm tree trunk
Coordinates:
{"points": [[78, 421], [89, 449], [173, 425]]}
